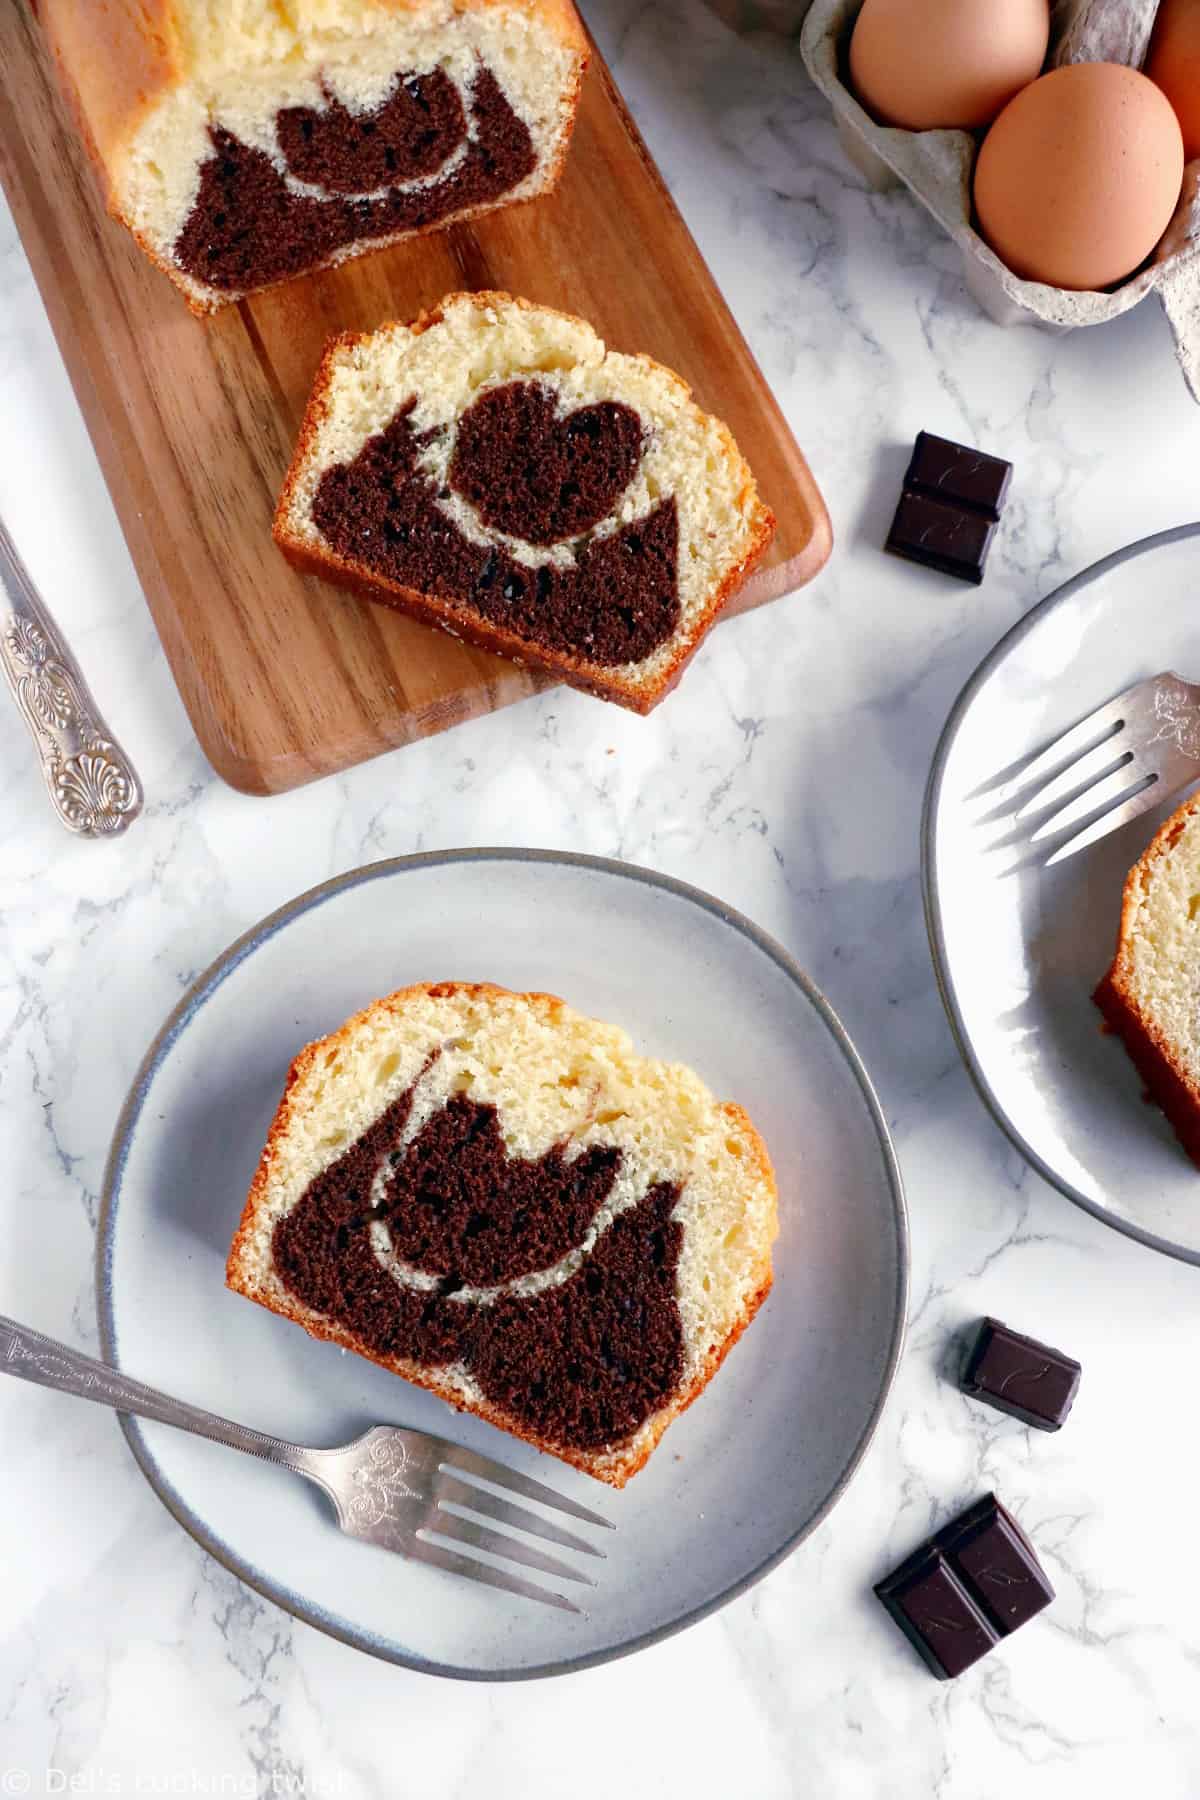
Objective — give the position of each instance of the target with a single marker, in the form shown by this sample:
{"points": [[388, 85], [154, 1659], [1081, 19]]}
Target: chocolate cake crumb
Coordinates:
{"points": [[539, 476], [454, 1201], [586, 1363], [419, 125], [615, 603], [247, 227], [581, 1364]]}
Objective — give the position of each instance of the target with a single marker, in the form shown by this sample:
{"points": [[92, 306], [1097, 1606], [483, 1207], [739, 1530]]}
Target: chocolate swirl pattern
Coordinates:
{"points": [[407, 166], [531, 477], [243, 144], [496, 470], [582, 1352], [499, 1200], [411, 136], [538, 473]]}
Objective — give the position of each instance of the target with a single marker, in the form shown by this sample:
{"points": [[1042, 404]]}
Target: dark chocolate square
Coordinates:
{"points": [[941, 535], [936, 1614], [945, 470], [975, 1582], [997, 1564], [1018, 1375]]}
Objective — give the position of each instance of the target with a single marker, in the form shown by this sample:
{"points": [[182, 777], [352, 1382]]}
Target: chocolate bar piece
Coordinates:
{"points": [[1020, 1376], [941, 536], [949, 471], [972, 1584], [936, 1614], [996, 1560], [949, 507]]}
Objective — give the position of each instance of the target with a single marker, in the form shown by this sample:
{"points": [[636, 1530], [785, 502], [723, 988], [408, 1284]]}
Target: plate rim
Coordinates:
{"points": [[931, 896], [206, 983]]}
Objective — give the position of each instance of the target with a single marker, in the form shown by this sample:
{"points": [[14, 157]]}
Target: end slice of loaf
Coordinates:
{"points": [[494, 470], [246, 144], [499, 1200], [1151, 994]]}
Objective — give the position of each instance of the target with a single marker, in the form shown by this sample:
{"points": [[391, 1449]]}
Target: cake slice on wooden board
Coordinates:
{"points": [[499, 1200], [1151, 994], [247, 143], [494, 470]]}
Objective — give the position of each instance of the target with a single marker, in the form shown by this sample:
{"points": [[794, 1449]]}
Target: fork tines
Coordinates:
{"points": [[469, 1462], [464, 1530], [422, 1549], [450, 1533], [450, 1491], [1114, 765]]}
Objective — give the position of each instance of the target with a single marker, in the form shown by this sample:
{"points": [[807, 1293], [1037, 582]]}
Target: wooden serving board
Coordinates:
{"points": [[286, 679]]}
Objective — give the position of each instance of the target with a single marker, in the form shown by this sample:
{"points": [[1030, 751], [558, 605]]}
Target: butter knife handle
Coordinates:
{"points": [[92, 784]]}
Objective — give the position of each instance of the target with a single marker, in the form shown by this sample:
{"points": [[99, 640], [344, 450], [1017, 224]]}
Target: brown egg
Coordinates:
{"points": [[1174, 65], [929, 63], [1077, 180]]}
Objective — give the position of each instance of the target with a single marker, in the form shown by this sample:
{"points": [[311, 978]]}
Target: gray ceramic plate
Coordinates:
{"points": [[737, 1482], [1018, 954]]}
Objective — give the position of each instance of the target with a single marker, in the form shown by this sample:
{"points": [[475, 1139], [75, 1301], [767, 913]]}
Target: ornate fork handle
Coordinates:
{"points": [[43, 1360], [91, 781]]}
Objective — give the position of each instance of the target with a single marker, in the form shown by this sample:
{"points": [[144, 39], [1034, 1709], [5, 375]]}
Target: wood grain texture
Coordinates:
{"points": [[285, 678]]}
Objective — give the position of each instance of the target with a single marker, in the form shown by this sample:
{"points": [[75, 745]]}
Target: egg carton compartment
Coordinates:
{"points": [[937, 167]]}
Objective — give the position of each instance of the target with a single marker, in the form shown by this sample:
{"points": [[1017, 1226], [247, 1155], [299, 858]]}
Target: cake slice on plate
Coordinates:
{"points": [[1151, 994], [246, 143], [501, 1201], [494, 470]]}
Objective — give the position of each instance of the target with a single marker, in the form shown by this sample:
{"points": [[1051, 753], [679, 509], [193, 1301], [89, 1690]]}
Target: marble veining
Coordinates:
{"points": [[786, 776]]}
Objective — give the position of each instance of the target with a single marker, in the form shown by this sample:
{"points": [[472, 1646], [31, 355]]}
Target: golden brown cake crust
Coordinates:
{"points": [[614, 1469], [1150, 1051], [116, 59], [462, 622]]}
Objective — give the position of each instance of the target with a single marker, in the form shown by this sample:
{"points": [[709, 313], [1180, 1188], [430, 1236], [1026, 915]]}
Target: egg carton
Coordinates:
{"points": [[936, 166]]}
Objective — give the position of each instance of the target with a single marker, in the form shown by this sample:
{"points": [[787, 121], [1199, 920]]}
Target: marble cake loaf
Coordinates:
{"points": [[499, 1200], [246, 142], [495, 471]]}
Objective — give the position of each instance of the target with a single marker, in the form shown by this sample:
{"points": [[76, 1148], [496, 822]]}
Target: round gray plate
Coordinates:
{"points": [[1019, 952], [750, 1468]]}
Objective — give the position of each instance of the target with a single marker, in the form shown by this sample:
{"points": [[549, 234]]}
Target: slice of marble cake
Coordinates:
{"points": [[501, 1201], [494, 470]]}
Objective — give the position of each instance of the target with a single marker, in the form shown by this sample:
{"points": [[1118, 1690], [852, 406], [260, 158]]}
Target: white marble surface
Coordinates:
{"points": [[786, 776]]}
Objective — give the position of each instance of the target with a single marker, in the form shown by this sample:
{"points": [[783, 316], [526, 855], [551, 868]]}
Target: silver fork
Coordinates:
{"points": [[403, 1490], [1116, 764]]}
